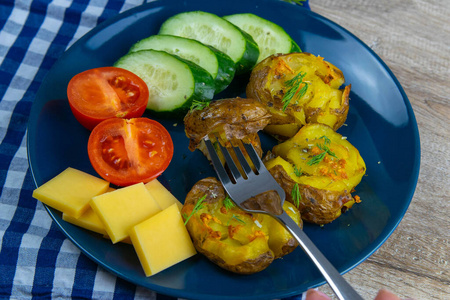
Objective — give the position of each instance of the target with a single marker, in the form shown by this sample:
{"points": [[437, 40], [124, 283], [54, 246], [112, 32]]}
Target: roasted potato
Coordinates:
{"points": [[298, 89], [319, 166], [233, 239], [236, 117], [232, 119]]}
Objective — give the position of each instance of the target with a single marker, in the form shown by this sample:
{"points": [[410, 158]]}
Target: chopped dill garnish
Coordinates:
{"points": [[197, 207], [297, 172], [316, 159], [299, 2], [296, 196], [327, 141], [199, 105], [319, 157], [228, 203], [295, 86], [236, 218], [325, 148]]}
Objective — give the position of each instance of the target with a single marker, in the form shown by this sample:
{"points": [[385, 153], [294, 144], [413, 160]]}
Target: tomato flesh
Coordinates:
{"points": [[102, 93], [129, 151]]}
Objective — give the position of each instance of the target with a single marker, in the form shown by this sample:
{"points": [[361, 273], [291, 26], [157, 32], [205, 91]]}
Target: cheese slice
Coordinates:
{"points": [[123, 208], [162, 195], [162, 241], [70, 191], [89, 220], [126, 240]]}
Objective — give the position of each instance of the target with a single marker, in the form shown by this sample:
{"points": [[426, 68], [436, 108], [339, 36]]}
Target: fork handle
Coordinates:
{"points": [[340, 286]]}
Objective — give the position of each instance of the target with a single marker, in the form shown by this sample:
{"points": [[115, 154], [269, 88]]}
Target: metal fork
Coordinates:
{"points": [[241, 188]]}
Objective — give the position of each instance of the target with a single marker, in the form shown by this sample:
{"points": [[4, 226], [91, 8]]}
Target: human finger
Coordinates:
{"points": [[386, 295], [316, 295]]}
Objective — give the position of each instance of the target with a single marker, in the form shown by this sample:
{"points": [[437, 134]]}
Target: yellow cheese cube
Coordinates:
{"points": [[126, 240], [70, 191], [110, 189], [89, 220], [162, 195], [123, 208], [162, 241]]}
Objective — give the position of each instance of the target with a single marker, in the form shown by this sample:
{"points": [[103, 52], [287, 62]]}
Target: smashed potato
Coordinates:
{"points": [[233, 239], [232, 119], [321, 168], [298, 89]]}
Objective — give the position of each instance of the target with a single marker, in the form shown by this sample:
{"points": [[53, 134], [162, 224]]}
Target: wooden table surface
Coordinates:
{"points": [[413, 39]]}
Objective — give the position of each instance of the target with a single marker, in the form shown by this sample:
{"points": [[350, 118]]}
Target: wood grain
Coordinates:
{"points": [[413, 39]]}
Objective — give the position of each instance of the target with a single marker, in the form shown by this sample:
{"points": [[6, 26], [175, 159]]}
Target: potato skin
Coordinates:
{"points": [[318, 206], [233, 239], [325, 187], [323, 101], [238, 118]]}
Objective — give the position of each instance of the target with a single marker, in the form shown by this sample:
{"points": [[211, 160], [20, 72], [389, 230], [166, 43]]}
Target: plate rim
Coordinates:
{"points": [[169, 291]]}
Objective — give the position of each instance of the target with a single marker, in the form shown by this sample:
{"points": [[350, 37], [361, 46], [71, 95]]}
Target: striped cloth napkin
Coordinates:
{"points": [[36, 259]]}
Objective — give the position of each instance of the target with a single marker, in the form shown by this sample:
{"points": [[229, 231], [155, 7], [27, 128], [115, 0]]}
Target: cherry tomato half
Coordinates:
{"points": [[129, 151], [102, 93]]}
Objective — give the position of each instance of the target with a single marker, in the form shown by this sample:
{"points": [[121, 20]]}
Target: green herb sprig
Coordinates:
{"points": [[326, 150], [326, 140], [296, 196], [228, 203], [316, 159], [297, 171], [295, 85], [197, 207], [199, 105], [236, 218], [299, 2]]}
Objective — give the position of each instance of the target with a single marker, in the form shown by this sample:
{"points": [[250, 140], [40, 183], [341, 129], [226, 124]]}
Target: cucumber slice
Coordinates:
{"points": [[215, 31], [270, 37], [173, 83], [217, 63]]}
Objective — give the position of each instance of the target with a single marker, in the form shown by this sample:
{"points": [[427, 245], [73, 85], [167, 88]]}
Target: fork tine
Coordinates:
{"points": [[220, 170], [253, 156], [259, 165], [242, 160], [231, 165]]}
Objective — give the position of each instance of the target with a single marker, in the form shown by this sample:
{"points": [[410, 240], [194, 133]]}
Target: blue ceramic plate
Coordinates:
{"points": [[381, 124]]}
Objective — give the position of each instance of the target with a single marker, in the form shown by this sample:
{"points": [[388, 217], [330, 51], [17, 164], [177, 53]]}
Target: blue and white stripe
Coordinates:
{"points": [[36, 260]]}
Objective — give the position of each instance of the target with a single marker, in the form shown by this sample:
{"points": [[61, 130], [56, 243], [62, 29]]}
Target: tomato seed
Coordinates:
{"points": [[119, 81]]}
